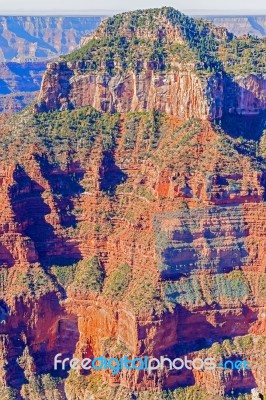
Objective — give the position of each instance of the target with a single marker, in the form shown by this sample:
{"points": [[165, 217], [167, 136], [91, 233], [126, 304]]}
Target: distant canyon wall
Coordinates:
{"points": [[241, 25], [19, 84], [27, 38], [26, 44]]}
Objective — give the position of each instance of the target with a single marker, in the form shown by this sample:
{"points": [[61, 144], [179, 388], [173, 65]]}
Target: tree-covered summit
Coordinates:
{"points": [[166, 39]]}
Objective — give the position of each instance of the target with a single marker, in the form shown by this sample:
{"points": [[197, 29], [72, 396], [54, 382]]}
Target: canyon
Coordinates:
{"points": [[241, 24], [19, 84], [26, 45], [34, 38], [133, 216]]}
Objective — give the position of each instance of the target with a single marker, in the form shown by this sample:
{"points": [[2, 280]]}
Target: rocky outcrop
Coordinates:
{"points": [[182, 94]]}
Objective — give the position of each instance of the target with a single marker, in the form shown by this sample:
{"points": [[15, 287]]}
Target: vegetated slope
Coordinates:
{"points": [[179, 37], [136, 231], [162, 60]]}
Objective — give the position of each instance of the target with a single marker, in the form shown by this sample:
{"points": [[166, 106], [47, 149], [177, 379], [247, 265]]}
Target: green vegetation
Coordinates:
{"points": [[121, 47], [145, 297], [127, 51], [77, 380], [98, 388], [68, 132], [184, 291], [262, 145], [201, 38], [42, 386], [237, 346], [150, 126], [244, 55], [213, 288], [7, 393], [64, 275], [33, 282], [234, 285], [189, 393], [262, 286], [117, 282], [89, 275], [124, 45], [245, 343], [114, 348], [63, 135], [132, 128], [145, 193], [188, 131]]}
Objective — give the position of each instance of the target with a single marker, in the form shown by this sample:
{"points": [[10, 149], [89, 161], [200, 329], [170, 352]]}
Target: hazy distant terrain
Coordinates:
{"points": [[19, 84], [26, 44], [241, 25], [27, 38]]}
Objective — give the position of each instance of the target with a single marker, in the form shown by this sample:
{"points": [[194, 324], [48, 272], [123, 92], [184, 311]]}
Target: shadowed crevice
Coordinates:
{"points": [[30, 212]]}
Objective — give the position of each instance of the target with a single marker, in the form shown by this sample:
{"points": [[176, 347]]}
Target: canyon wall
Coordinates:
{"points": [[182, 94], [132, 224], [19, 84], [78, 219], [241, 25]]}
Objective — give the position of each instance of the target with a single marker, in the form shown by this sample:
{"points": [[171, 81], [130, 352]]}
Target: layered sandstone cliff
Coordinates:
{"points": [[139, 232], [180, 94], [170, 80]]}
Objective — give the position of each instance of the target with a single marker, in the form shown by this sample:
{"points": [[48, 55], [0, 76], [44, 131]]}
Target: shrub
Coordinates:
{"points": [[50, 382], [64, 275], [144, 297], [89, 275], [117, 282]]}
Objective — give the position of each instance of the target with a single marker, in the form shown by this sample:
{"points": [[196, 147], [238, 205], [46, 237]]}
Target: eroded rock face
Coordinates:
{"points": [[179, 94], [210, 302], [182, 94], [174, 199]]}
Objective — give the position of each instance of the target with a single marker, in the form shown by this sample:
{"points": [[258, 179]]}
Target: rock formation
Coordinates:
{"points": [[163, 81], [134, 217]]}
